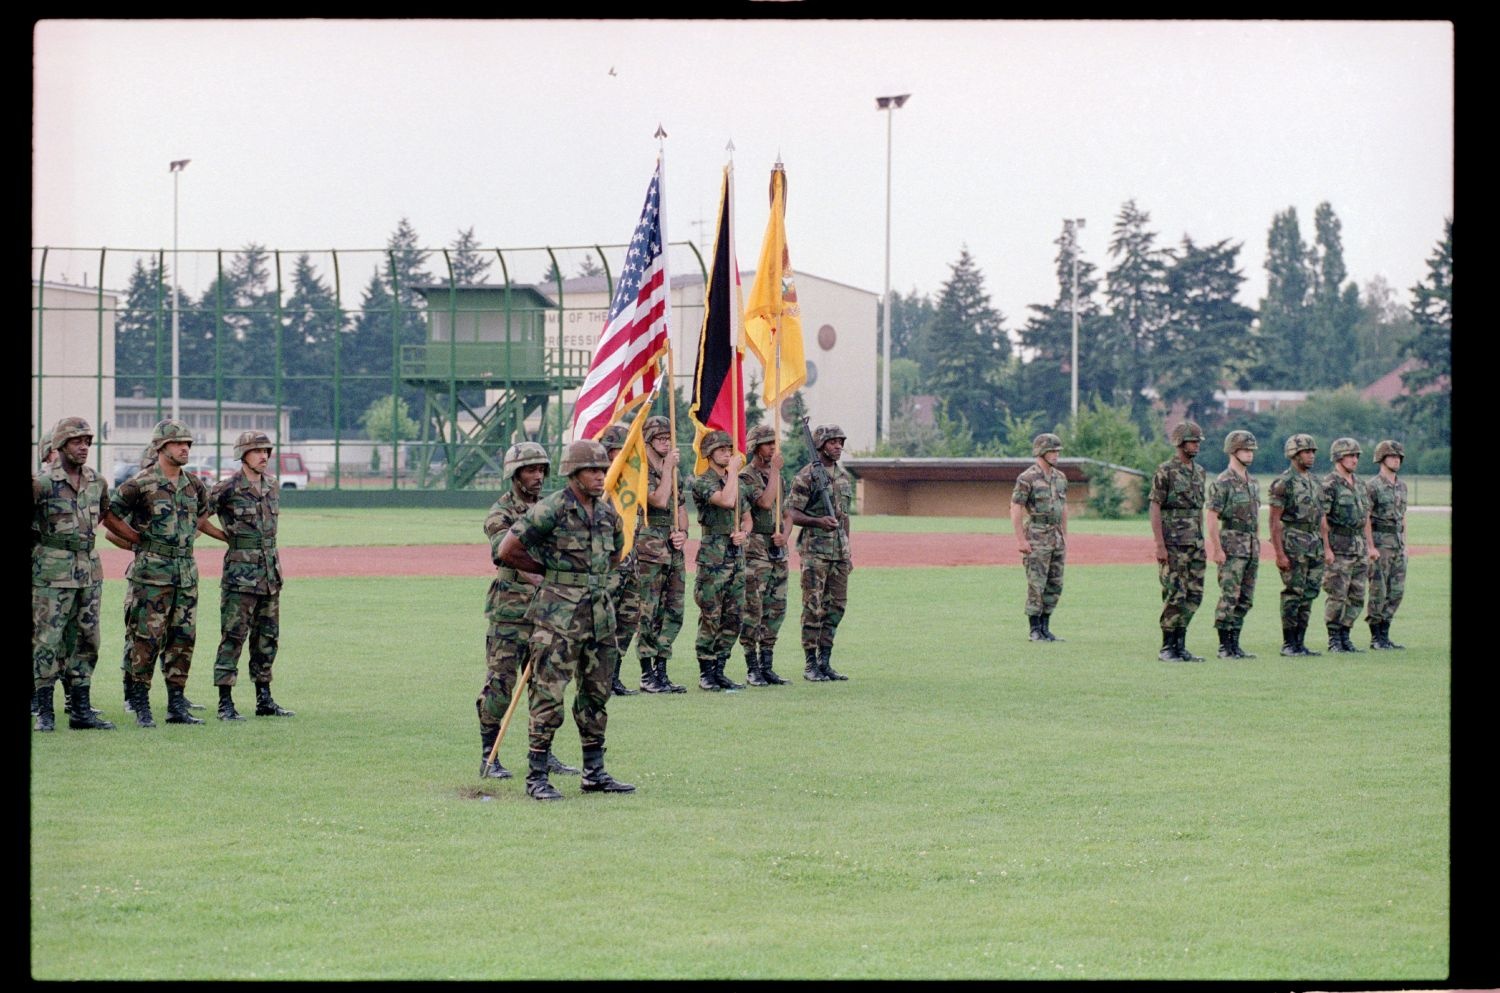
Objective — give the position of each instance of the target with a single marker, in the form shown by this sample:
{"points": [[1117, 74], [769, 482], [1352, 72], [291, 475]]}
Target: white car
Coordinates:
{"points": [[289, 468]]}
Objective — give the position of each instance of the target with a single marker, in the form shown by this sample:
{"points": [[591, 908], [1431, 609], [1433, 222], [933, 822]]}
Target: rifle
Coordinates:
{"points": [[821, 478]]}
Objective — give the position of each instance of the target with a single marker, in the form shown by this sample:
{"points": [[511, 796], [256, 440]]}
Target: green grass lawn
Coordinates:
{"points": [[968, 805]]}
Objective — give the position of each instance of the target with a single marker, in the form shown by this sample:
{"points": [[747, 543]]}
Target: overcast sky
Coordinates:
{"points": [[318, 134]]}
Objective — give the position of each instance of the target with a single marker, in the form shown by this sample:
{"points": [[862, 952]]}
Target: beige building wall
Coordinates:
{"points": [[70, 346]]}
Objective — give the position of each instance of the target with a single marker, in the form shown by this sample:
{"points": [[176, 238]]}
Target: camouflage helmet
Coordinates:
{"points": [[169, 430], [584, 454], [656, 425], [1389, 447], [249, 441], [69, 428], [713, 441], [44, 448], [759, 435], [1184, 432], [826, 433], [1300, 443], [1342, 447], [522, 454], [148, 456], [1044, 443], [613, 438], [1235, 440]]}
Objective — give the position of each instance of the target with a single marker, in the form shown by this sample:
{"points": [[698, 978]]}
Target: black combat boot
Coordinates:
{"points": [[1377, 643], [1385, 637], [1035, 620], [190, 705], [1168, 651], [265, 706], [769, 674], [129, 694], [1302, 648], [1239, 652], [1336, 639], [827, 667], [1047, 634], [559, 767], [724, 681], [661, 673], [706, 680], [1289, 640], [618, 688], [1344, 630], [811, 670], [141, 697], [487, 769], [754, 674], [81, 715], [46, 719], [595, 779], [1182, 649], [177, 709], [1226, 643], [649, 681], [538, 787], [226, 705]]}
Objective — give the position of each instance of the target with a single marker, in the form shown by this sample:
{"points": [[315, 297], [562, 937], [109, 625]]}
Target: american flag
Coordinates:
{"points": [[634, 338]]}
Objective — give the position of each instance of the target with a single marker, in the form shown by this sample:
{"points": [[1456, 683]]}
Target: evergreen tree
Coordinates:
{"points": [[1286, 355], [964, 350], [365, 355], [1431, 413], [145, 319], [1134, 288], [909, 315], [469, 266], [405, 269], [590, 266], [1044, 383], [1335, 306], [312, 323], [1385, 325], [1205, 326]]}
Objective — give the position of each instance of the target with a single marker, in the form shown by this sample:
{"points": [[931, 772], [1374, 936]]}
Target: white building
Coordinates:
{"points": [[72, 346]]}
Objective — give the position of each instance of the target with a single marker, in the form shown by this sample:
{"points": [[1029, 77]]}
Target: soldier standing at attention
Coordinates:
{"points": [[248, 504], [168, 507], [510, 593], [1233, 520], [573, 539], [765, 558], [1388, 527], [1039, 517], [719, 582], [1349, 546], [661, 564], [1177, 526], [627, 591], [69, 501], [823, 544], [1296, 538]]}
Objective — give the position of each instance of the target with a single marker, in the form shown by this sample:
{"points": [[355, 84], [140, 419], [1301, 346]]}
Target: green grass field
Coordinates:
{"points": [[968, 805]]}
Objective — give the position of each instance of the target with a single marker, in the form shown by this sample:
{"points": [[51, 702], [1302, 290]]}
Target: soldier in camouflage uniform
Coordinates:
{"points": [[69, 503], [765, 558], [1177, 493], [627, 591], [1349, 545], [660, 562], [1233, 542], [510, 593], [1296, 539], [573, 538], [1039, 517], [823, 544], [719, 582], [1388, 527], [147, 460], [168, 507], [247, 505]]}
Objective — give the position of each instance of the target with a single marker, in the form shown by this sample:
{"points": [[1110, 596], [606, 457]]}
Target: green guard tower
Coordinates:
{"points": [[490, 338]]}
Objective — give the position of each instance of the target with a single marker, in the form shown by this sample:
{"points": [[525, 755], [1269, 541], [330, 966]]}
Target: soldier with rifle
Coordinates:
{"points": [[819, 503]]}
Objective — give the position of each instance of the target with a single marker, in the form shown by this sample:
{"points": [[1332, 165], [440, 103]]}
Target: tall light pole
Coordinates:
{"points": [[176, 167], [1073, 227], [889, 105]]}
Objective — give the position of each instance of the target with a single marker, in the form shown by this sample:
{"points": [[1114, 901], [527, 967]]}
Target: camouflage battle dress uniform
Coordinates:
{"points": [[1177, 489], [826, 560], [1388, 527], [1236, 502], [1296, 496], [1042, 494], [626, 592], [250, 588], [1346, 509], [572, 622], [66, 581], [765, 572], [661, 572], [719, 582], [163, 582]]}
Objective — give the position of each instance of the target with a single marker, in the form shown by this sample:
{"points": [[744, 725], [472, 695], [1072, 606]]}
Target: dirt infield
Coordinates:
{"points": [[872, 550]]}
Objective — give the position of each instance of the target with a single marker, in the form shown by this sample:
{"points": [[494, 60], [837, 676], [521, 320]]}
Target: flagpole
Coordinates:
{"points": [[661, 144], [776, 337], [736, 388]]}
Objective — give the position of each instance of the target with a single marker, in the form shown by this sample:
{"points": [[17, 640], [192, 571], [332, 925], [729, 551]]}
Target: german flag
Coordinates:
{"points": [[718, 382]]}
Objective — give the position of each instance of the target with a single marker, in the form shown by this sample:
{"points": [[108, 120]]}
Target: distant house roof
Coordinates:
{"points": [[1390, 386], [1004, 470], [532, 293]]}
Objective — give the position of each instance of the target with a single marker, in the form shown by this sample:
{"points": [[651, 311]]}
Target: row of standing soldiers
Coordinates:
{"points": [[566, 604], [156, 513]]}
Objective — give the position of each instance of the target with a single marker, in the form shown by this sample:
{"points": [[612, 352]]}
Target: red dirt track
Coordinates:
{"points": [[877, 550]]}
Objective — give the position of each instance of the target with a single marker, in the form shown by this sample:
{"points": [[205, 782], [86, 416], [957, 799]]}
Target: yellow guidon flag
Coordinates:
{"points": [[625, 483], [773, 320]]}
